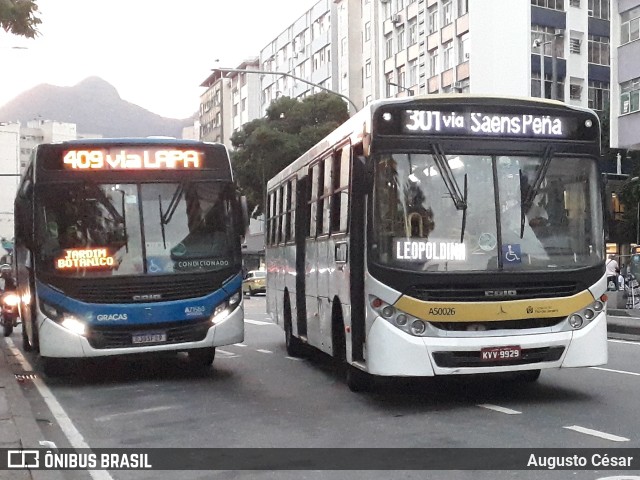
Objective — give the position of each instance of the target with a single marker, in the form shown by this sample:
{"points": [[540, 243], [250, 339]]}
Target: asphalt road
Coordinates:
{"points": [[257, 396]]}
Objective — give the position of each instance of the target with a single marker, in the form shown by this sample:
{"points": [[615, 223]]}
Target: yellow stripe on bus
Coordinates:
{"points": [[494, 311]]}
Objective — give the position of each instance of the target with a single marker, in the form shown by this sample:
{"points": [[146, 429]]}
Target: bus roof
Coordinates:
{"points": [[360, 124]]}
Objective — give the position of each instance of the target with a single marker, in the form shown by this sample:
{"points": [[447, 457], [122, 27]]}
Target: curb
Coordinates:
{"points": [[28, 431]]}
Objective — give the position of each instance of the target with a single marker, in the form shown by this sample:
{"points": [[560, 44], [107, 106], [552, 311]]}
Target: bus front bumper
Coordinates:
{"points": [[392, 352], [57, 341]]}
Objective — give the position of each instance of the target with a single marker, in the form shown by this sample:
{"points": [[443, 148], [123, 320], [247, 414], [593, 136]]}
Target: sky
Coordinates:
{"points": [[155, 56]]}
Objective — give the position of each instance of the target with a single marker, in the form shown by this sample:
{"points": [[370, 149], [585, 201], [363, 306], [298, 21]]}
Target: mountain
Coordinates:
{"points": [[94, 106]]}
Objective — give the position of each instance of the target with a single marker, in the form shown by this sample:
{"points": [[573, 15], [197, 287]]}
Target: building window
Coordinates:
{"points": [[447, 12], [413, 73], [535, 86], [402, 78], [367, 69], [433, 63], [630, 96], [433, 19], [598, 50], [367, 31], [574, 3], [463, 7], [447, 60], [630, 25], [463, 48], [401, 39], [599, 9], [598, 95], [547, 34], [574, 45], [413, 32], [388, 82], [388, 46], [552, 4]]}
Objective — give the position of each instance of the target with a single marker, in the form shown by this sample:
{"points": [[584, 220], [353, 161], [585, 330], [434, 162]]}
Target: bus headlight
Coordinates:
{"points": [[583, 317], [575, 321], [64, 318], [73, 324], [224, 309], [399, 319]]}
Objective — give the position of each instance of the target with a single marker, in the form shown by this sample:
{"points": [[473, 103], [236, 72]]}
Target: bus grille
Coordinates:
{"points": [[472, 358], [519, 324], [121, 336], [491, 292], [124, 290]]}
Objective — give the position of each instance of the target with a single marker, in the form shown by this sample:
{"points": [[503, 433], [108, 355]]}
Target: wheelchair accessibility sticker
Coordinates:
{"points": [[511, 254]]}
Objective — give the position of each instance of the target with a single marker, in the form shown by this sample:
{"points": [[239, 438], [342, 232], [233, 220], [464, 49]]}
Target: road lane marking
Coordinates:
{"points": [[263, 351], [597, 433], [224, 352], [66, 425], [240, 344], [257, 322], [497, 408], [616, 371], [627, 342], [106, 418], [294, 358]]}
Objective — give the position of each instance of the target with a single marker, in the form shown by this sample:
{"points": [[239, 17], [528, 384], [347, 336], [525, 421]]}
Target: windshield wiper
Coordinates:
{"points": [[444, 169], [459, 197], [526, 198], [165, 217]]}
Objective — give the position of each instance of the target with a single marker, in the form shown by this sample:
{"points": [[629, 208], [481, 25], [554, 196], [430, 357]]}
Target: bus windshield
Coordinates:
{"points": [[456, 213], [96, 230]]}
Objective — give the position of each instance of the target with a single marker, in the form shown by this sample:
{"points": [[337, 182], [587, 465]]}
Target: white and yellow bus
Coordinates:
{"points": [[443, 235]]}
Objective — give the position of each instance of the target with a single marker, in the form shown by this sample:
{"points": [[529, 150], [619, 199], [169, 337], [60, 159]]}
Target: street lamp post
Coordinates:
{"points": [[541, 43], [409, 91], [285, 74]]}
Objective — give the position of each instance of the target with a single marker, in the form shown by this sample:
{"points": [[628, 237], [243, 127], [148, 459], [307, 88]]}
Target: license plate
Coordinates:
{"points": [[496, 354], [149, 337]]}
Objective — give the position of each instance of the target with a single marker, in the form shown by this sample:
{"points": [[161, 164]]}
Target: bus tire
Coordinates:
{"points": [[55, 367], [7, 329], [202, 357], [357, 380], [295, 347], [529, 376], [26, 345]]}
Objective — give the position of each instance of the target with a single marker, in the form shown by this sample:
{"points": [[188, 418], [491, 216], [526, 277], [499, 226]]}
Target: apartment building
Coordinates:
{"points": [[16, 144], [625, 76]]}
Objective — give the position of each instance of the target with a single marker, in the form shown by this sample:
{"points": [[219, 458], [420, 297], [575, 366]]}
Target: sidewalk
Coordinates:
{"points": [[18, 427]]}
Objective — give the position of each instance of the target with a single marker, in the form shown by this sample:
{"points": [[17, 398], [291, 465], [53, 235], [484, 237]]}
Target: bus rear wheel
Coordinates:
{"points": [[295, 347], [357, 380], [201, 357]]}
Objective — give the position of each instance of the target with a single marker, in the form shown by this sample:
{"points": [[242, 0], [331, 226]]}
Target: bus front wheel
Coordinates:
{"points": [[201, 357], [357, 380]]}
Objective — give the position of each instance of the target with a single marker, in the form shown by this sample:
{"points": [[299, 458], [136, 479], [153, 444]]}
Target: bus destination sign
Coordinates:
{"points": [[133, 158], [436, 122]]}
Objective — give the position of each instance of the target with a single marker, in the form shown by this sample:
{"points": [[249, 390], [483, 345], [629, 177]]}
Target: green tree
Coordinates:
{"points": [[265, 146], [19, 17]]}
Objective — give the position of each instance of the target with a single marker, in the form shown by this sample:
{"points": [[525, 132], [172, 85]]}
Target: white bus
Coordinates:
{"points": [[443, 235]]}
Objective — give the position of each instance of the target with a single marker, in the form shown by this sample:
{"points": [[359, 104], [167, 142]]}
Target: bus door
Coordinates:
{"points": [[301, 231]]}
